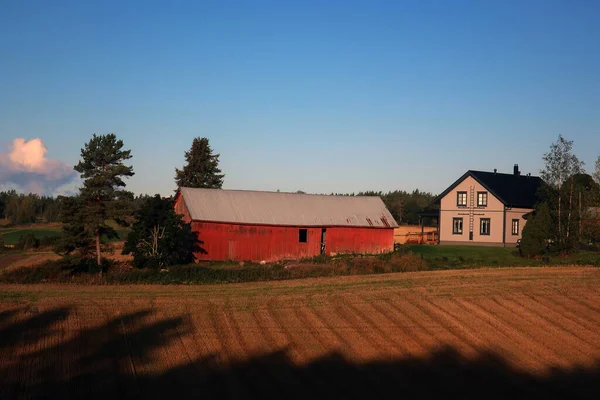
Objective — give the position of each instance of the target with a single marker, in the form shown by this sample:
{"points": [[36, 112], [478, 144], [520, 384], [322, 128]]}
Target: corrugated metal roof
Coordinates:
{"points": [[291, 209]]}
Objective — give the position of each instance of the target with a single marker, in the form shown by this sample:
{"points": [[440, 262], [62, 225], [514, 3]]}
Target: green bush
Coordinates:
{"points": [[49, 240], [536, 233], [27, 241], [160, 237]]}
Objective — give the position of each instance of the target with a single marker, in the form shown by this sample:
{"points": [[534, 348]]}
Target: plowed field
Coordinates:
{"points": [[498, 333]]}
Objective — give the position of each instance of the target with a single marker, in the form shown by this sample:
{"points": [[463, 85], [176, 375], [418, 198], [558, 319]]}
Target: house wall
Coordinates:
{"points": [[515, 213], [449, 210], [224, 241]]}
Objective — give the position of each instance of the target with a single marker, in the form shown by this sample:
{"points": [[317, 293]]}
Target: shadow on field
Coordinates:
{"points": [[39, 360]]}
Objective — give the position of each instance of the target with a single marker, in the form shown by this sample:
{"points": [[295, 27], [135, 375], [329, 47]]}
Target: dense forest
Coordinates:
{"points": [[21, 209]]}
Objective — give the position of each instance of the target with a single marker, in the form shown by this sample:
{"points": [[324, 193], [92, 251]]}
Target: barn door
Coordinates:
{"points": [[232, 250], [323, 240]]}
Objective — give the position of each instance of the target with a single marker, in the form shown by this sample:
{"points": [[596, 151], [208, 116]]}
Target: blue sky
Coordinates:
{"points": [[327, 96]]}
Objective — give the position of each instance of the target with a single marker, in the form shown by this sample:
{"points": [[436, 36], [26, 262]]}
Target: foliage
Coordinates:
{"points": [[597, 171], [27, 241], [102, 196], [403, 205], [561, 167], [49, 240], [202, 167], [160, 237], [560, 163], [75, 236], [21, 208], [537, 233]]}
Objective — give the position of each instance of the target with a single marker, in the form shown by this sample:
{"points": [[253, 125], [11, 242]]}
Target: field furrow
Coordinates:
{"points": [[576, 312], [530, 334], [532, 355], [548, 311], [498, 333]]}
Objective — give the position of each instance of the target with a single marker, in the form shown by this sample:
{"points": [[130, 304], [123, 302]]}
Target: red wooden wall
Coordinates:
{"points": [[222, 241], [359, 240], [225, 241]]}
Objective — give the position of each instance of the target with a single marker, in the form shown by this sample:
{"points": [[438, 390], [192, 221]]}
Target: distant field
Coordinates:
{"points": [[12, 235], [489, 333], [453, 257]]}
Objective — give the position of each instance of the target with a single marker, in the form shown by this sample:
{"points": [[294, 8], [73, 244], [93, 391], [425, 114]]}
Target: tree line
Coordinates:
{"points": [[19, 208], [567, 215], [158, 237], [403, 205]]}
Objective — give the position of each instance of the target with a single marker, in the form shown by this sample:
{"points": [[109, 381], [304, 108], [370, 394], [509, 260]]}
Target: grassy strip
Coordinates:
{"points": [[462, 257]]}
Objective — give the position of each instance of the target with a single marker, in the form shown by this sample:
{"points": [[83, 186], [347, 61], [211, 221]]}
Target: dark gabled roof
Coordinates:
{"points": [[519, 191]]}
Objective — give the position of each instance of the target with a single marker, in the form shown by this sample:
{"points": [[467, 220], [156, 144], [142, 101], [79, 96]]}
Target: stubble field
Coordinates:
{"points": [[491, 333]]}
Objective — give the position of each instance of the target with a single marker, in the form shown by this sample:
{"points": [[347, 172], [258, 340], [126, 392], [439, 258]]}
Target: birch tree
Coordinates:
{"points": [[597, 171], [561, 165]]}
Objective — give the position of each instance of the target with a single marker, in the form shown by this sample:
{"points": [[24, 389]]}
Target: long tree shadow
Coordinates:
{"points": [[38, 360]]}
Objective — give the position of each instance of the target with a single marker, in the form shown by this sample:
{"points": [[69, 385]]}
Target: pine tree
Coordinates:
{"points": [[159, 237], [102, 195], [202, 167]]}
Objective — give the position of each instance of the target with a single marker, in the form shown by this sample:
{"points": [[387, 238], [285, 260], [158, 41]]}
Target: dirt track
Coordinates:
{"points": [[495, 333]]}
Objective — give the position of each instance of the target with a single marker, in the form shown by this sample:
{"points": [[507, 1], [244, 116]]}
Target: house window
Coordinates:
{"points": [[457, 226], [484, 226], [303, 235], [515, 226], [482, 199], [461, 199]]}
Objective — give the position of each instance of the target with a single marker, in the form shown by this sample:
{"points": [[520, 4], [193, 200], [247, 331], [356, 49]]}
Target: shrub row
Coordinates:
{"points": [[65, 269]]}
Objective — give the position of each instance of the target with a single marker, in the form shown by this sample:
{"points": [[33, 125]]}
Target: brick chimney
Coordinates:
{"points": [[516, 171]]}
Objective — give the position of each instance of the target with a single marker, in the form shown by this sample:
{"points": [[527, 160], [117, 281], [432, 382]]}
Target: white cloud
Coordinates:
{"points": [[26, 168]]}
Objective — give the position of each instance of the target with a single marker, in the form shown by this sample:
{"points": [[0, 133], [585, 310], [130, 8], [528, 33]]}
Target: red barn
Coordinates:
{"points": [[249, 225]]}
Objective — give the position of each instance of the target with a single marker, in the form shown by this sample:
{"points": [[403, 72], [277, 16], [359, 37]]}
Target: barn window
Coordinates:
{"points": [[303, 235]]}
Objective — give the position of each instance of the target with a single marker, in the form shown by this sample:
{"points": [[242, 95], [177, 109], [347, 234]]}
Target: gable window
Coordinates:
{"points": [[515, 226], [482, 199], [457, 226], [484, 226], [461, 199], [303, 235]]}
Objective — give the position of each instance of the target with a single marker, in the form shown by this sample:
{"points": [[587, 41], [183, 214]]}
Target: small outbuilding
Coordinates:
{"points": [[249, 225]]}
